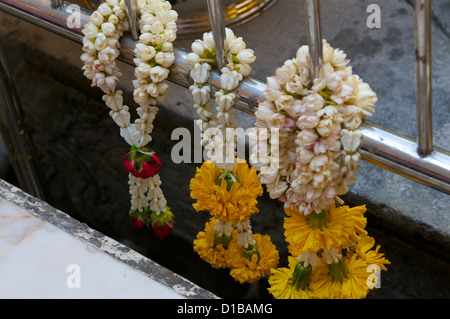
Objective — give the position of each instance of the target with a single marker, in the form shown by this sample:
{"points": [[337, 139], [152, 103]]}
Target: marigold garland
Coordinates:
{"points": [[225, 185], [315, 160]]}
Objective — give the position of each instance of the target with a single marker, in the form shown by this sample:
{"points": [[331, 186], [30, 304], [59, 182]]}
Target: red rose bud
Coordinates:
{"points": [[163, 223], [141, 162], [138, 223], [139, 219]]}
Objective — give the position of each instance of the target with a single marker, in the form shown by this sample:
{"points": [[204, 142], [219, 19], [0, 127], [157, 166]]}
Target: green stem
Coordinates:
{"points": [[318, 220], [300, 276]]}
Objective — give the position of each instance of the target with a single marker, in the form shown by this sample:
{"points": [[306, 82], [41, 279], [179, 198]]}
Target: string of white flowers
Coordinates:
{"points": [[154, 54], [327, 112], [322, 115], [214, 125], [220, 144]]}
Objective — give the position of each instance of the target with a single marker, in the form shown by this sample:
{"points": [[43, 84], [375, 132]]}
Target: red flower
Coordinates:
{"points": [[138, 223], [163, 223], [163, 232], [139, 219], [141, 162]]}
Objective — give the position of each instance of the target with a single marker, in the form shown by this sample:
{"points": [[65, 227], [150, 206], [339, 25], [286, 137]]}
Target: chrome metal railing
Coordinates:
{"points": [[416, 160]]}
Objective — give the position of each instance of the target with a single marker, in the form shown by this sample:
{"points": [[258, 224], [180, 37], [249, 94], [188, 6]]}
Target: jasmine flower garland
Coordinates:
{"points": [[154, 55], [319, 140], [225, 185]]}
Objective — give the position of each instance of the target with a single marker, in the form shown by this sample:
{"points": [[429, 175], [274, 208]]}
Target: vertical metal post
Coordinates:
{"points": [[16, 136], [57, 3], [218, 29], [423, 76], [131, 6], [312, 8]]}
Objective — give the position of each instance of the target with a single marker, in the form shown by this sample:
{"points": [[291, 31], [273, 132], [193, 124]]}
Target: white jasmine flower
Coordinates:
{"points": [[142, 71], [319, 162], [229, 79], [165, 59], [121, 117], [283, 102], [101, 41], [169, 36], [224, 228], [162, 12], [308, 259], [313, 102], [246, 56], [108, 28], [147, 19], [167, 47], [112, 3], [332, 255], [307, 121], [192, 59], [236, 45], [208, 41], [90, 31], [304, 155], [200, 72], [277, 120], [163, 89], [96, 18], [158, 74], [146, 38], [114, 100], [351, 140], [198, 47], [104, 9], [243, 69], [146, 52]]}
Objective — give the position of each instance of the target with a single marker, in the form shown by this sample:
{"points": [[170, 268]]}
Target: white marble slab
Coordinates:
{"points": [[35, 256]]}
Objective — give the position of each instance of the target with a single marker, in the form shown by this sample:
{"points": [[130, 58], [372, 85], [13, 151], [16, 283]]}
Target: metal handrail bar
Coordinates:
{"points": [[381, 147]]}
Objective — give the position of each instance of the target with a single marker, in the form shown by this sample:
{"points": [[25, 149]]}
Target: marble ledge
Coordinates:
{"points": [[46, 254]]}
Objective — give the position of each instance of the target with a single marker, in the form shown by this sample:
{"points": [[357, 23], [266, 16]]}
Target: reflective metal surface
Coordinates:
{"points": [[218, 30], [14, 131], [381, 147], [423, 76], [194, 19], [312, 9]]}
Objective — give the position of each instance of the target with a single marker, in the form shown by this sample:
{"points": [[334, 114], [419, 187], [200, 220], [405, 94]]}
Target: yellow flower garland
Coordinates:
{"points": [[228, 205]]}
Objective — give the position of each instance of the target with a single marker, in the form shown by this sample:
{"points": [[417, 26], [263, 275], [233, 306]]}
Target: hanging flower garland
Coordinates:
{"points": [[154, 55], [225, 185], [315, 160]]}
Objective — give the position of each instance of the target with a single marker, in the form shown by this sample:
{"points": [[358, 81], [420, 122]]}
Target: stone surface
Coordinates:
{"points": [[43, 250], [80, 147]]}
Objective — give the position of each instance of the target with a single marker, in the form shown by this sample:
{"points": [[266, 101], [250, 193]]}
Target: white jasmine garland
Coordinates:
{"points": [[154, 55], [327, 112], [215, 127], [237, 66]]}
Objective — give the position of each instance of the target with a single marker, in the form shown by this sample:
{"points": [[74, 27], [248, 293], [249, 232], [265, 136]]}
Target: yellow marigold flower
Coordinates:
{"points": [[204, 245], [354, 283], [245, 270], [281, 286], [334, 228], [228, 204], [362, 248], [354, 286]]}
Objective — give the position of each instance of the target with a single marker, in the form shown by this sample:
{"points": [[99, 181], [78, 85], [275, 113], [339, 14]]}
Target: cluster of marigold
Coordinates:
{"points": [[226, 186], [317, 121]]}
